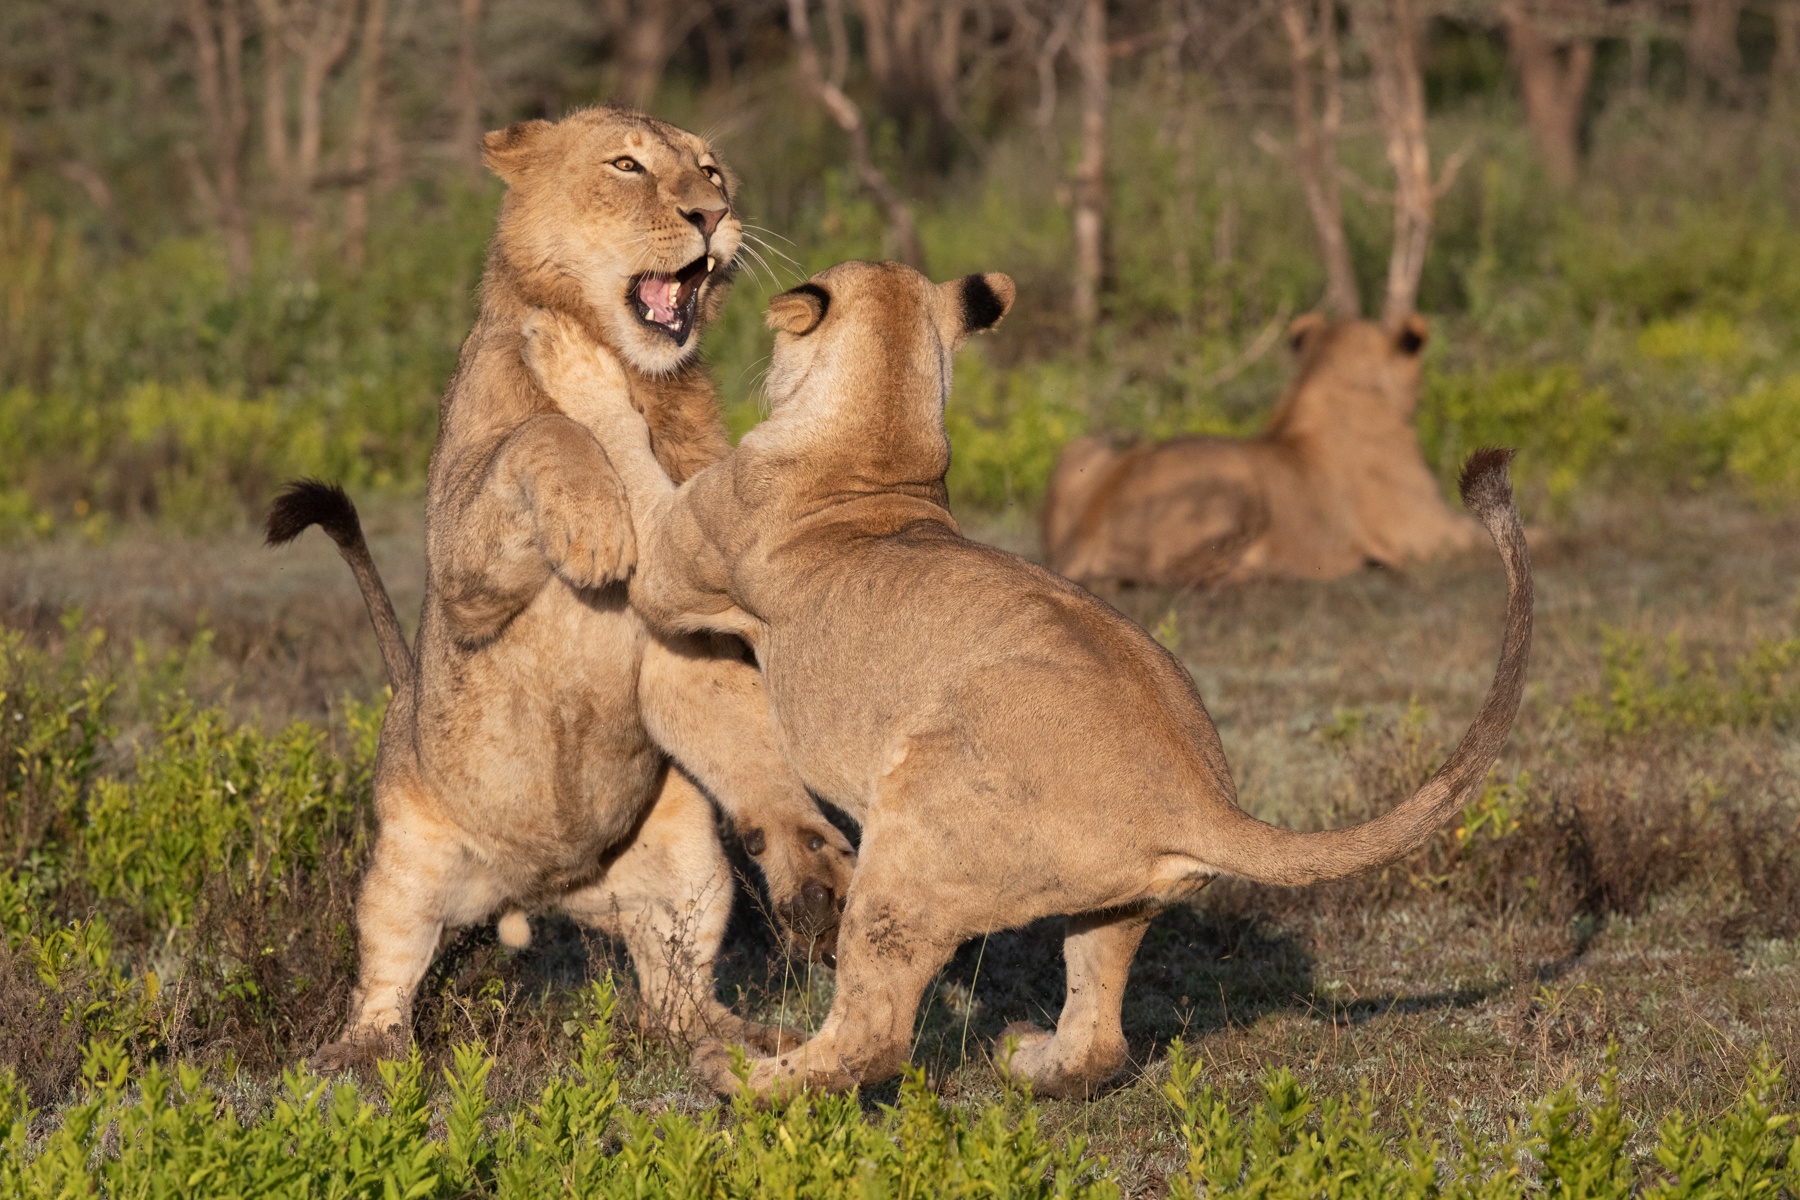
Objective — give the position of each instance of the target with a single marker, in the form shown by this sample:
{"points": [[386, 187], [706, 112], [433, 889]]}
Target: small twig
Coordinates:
{"points": [[1452, 167]]}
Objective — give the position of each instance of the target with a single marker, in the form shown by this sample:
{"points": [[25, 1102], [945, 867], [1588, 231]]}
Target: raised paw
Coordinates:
{"points": [[591, 541], [583, 378]]}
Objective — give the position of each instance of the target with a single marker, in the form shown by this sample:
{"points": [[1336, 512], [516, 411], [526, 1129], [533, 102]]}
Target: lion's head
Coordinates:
{"points": [[1349, 372], [624, 220]]}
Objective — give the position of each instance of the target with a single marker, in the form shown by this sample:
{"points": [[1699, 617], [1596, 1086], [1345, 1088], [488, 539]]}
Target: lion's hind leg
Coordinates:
{"points": [[889, 947], [420, 883], [1088, 1047], [667, 895]]}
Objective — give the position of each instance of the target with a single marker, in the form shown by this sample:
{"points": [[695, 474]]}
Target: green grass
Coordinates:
{"points": [[162, 1132], [1623, 896]]}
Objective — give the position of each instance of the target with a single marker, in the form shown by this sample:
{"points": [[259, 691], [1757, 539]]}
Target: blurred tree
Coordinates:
{"points": [[1712, 49], [1093, 61], [217, 31], [465, 91], [304, 43], [362, 132], [828, 90], [1312, 39], [1554, 56]]}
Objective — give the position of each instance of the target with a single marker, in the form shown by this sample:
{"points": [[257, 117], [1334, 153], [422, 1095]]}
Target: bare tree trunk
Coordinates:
{"points": [[1712, 49], [1090, 172], [467, 89], [275, 96], [1554, 80], [903, 235], [1784, 70], [362, 134], [646, 51], [1313, 49], [219, 78], [914, 50], [1389, 32], [718, 52], [1637, 39], [317, 33]]}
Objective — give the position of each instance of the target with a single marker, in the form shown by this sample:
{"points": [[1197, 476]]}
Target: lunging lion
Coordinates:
{"points": [[1335, 481], [1014, 747], [524, 762]]}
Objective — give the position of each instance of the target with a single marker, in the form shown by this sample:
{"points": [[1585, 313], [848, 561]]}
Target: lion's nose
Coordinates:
{"points": [[704, 219]]}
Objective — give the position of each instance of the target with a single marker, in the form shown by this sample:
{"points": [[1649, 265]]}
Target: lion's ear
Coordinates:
{"points": [[799, 310], [1303, 328], [983, 299], [507, 152], [1411, 336]]}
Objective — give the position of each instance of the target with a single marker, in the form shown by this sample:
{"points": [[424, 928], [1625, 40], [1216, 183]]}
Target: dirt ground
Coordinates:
{"points": [[1640, 893]]}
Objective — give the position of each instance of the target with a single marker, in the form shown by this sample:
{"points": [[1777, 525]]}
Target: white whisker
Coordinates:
{"points": [[775, 250]]}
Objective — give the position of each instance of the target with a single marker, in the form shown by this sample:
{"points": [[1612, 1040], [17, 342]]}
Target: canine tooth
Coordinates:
{"points": [[711, 262]]}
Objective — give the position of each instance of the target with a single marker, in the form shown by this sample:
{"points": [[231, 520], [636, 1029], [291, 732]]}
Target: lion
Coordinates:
{"points": [[1014, 747], [1334, 482], [524, 761]]}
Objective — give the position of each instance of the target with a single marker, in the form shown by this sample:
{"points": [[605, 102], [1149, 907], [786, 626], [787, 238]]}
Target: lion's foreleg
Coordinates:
{"points": [[547, 502], [708, 709]]}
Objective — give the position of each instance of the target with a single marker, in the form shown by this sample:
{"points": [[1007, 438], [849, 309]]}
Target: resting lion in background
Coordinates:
{"points": [[1014, 747], [1334, 482], [525, 758]]}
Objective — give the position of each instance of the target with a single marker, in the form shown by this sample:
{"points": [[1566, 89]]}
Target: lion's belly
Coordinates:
{"points": [[533, 746]]}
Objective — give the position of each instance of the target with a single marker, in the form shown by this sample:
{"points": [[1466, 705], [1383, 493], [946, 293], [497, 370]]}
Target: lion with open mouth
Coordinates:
{"points": [[525, 761]]}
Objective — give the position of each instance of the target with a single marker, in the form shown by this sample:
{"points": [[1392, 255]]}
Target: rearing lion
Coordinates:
{"points": [[1014, 748], [524, 762], [1335, 481]]}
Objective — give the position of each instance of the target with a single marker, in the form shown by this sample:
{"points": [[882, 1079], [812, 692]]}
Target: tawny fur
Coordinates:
{"points": [[1013, 747], [524, 762], [1335, 481]]}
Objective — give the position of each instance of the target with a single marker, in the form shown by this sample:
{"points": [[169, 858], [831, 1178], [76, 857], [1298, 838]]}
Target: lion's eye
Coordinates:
{"points": [[714, 174], [627, 164]]}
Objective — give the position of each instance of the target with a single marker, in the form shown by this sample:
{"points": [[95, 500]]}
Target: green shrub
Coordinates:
{"points": [[1006, 429], [1764, 425], [1646, 685], [204, 799], [1563, 427]]}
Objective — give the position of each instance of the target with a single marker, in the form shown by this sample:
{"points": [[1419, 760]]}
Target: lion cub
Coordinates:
{"points": [[1013, 747]]}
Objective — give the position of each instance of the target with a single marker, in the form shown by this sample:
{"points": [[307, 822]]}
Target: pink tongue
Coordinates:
{"points": [[658, 292]]}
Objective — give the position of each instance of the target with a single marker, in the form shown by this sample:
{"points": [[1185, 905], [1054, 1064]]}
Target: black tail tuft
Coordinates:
{"points": [[307, 502], [1485, 485]]}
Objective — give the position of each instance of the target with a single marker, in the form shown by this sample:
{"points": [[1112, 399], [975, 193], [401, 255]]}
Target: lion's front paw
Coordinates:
{"points": [[583, 378], [594, 545], [712, 1065], [1052, 1067], [357, 1050]]}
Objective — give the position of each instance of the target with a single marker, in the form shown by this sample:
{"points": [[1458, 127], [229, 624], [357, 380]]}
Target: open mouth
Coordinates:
{"points": [[667, 303]]}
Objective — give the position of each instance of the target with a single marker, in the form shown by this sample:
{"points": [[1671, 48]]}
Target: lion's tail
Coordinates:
{"points": [[1251, 849], [305, 502]]}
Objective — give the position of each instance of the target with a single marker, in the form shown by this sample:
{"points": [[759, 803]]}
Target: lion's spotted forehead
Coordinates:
{"points": [[645, 137]]}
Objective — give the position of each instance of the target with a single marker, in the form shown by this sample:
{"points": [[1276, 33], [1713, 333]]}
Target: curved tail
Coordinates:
{"points": [[306, 502], [1251, 849]]}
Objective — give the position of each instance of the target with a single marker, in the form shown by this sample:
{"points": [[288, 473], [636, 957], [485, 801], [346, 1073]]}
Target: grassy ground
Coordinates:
{"points": [[1630, 878]]}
